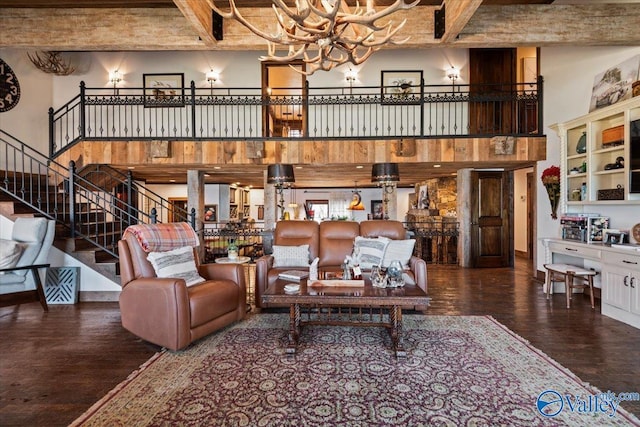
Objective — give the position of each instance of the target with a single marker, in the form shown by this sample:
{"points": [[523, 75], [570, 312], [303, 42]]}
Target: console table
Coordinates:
{"points": [[619, 278]]}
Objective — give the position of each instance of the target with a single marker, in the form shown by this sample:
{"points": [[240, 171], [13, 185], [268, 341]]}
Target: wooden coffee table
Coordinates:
{"points": [[346, 305]]}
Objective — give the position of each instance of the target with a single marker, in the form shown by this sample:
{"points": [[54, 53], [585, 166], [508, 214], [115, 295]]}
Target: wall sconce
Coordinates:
{"points": [[281, 176], [453, 74], [350, 76], [212, 78], [114, 78], [386, 175]]}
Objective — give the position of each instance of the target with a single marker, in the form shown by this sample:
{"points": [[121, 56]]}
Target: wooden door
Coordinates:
{"points": [[491, 72], [491, 219], [177, 208]]}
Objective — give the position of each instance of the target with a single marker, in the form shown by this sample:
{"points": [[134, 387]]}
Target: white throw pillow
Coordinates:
{"points": [[369, 251], [400, 250], [10, 252], [177, 263], [291, 256]]}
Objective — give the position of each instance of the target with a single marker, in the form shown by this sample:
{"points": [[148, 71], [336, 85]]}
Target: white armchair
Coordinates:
{"points": [[22, 259]]}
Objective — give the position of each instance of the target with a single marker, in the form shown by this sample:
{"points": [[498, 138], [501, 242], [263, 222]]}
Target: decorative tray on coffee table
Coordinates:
{"points": [[337, 282]]}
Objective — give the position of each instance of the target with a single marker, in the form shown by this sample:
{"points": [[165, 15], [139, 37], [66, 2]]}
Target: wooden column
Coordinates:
{"points": [[195, 200], [464, 217]]}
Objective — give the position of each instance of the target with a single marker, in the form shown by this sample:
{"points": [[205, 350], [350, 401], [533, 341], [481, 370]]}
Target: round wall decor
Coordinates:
{"points": [[9, 87]]}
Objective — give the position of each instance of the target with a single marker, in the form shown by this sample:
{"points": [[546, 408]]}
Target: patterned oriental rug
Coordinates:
{"points": [[460, 370]]}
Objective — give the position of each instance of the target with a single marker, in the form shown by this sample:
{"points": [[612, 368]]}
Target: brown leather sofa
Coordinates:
{"points": [[331, 242], [165, 311]]}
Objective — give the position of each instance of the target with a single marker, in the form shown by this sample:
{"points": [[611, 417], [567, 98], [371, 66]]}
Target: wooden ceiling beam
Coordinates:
{"points": [[458, 14], [199, 15], [167, 28]]}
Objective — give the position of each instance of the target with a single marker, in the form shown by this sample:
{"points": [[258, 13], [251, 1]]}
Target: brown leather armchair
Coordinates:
{"points": [[165, 311]]}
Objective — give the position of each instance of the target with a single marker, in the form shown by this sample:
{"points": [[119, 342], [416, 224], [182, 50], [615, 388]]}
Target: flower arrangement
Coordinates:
{"points": [[551, 180]]}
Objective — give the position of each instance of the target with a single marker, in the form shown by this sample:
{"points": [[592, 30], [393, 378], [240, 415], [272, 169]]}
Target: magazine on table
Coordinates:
{"points": [[293, 275]]}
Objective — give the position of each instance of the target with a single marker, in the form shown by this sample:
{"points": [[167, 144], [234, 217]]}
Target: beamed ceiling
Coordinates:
{"points": [[139, 25]]}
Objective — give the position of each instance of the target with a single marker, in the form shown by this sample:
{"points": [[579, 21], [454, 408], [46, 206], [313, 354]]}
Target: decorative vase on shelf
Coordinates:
{"points": [[581, 147]]}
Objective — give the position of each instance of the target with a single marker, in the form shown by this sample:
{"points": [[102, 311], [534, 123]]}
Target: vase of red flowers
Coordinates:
{"points": [[551, 181]]}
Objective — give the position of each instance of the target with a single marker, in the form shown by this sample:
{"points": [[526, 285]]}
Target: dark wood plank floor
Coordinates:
{"points": [[54, 366]]}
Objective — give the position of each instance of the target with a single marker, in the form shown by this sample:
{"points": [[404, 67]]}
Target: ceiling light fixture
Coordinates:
{"points": [[325, 33], [356, 200]]}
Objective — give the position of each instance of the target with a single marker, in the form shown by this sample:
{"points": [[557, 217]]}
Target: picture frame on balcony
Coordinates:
{"points": [[377, 209], [400, 87], [163, 90], [210, 213]]}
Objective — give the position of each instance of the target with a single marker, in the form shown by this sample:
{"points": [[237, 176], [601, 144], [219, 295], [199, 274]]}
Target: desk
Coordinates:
{"points": [[247, 275]]}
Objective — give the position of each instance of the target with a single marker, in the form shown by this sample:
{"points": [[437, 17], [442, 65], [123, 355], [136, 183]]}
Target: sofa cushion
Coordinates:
{"points": [[10, 252], [401, 250], [290, 256], [336, 242], [369, 251], [177, 263]]}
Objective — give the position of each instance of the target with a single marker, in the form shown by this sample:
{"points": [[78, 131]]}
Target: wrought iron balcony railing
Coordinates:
{"points": [[190, 113]]}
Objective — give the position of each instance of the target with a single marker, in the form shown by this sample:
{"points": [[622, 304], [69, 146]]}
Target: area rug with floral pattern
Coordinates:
{"points": [[459, 371]]}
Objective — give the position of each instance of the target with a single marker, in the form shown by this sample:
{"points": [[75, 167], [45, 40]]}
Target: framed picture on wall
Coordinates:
{"points": [[401, 87], [210, 213], [163, 90], [377, 209]]}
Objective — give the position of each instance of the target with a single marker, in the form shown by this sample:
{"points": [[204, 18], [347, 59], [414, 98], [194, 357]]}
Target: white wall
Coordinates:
{"points": [[28, 121], [520, 236], [568, 79]]}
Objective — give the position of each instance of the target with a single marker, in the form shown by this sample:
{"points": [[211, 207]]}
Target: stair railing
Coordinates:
{"points": [[90, 212]]}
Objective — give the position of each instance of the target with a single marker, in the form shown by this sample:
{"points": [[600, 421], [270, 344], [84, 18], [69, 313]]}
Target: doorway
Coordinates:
{"points": [[491, 219], [177, 209], [285, 115], [491, 74]]}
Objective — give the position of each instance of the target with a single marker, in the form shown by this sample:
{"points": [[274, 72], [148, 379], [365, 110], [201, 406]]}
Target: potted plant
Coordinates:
{"points": [[551, 180]]}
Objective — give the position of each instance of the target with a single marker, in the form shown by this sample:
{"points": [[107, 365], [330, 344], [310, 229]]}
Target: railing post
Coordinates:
{"points": [[540, 104], [52, 142], [72, 198], [82, 117], [193, 109], [422, 107], [192, 218], [306, 108], [154, 216]]}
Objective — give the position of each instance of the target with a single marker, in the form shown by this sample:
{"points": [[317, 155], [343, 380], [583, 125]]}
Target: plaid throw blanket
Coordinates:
{"points": [[163, 237]]}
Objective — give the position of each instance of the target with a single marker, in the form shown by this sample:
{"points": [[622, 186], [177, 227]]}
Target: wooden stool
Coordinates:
{"points": [[567, 273]]}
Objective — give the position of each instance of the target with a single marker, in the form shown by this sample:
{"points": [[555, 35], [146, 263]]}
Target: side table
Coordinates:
{"points": [[247, 277]]}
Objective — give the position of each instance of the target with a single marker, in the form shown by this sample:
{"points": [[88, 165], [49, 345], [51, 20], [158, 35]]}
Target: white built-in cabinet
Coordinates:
{"points": [[621, 295], [619, 277], [598, 155]]}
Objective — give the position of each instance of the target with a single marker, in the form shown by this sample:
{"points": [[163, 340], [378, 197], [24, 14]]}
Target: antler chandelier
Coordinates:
{"points": [[339, 34]]}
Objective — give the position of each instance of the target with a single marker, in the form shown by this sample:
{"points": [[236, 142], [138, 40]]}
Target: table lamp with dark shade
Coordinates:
{"points": [[281, 176]]}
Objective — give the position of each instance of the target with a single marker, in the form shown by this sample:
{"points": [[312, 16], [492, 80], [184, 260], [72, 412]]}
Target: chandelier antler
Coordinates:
{"points": [[329, 26], [51, 62]]}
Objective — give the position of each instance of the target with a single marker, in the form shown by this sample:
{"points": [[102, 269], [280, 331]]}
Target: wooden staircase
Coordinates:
{"points": [[87, 222]]}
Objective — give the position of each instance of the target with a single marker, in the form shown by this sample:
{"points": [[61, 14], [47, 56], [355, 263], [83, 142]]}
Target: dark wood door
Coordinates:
{"points": [[491, 72], [491, 219]]}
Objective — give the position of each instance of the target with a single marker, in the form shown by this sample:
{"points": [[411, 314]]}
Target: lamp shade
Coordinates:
{"points": [[279, 174], [385, 172]]}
